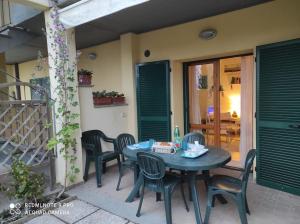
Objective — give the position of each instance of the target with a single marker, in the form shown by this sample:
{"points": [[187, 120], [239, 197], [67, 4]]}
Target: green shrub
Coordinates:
{"points": [[26, 186]]}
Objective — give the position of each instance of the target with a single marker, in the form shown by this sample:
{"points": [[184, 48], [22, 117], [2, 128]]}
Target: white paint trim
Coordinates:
{"points": [[37, 4], [85, 11]]}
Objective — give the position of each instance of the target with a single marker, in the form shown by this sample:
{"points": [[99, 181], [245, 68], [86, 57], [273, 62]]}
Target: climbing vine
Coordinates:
{"points": [[66, 100]]}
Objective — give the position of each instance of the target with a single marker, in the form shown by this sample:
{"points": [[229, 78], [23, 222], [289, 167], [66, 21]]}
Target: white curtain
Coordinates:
{"points": [[246, 106], [195, 114]]}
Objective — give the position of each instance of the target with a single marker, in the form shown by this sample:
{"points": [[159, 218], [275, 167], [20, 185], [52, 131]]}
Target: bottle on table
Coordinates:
{"points": [[177, 139]]}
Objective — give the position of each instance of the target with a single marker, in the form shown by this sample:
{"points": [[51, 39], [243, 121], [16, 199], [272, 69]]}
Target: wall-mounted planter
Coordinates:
{"points": [[84, 79], [119, 100], [102, 100]]}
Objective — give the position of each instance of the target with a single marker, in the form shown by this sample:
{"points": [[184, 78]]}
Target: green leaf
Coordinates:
{"points": [[52, 143]]}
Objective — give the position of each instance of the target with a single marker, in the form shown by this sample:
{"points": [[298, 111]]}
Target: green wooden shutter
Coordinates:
{"points": [[278, 116], [153, 101]]}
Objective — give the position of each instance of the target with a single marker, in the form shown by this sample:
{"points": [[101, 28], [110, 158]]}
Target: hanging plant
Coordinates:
{"points": [[66, 101]]}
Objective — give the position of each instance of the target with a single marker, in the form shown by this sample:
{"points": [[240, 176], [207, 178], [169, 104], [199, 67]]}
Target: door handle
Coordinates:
{"points": [[294, 126]]}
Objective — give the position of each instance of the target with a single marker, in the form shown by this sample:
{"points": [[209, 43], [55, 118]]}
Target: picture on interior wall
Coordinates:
{"points": [[202, 81]]}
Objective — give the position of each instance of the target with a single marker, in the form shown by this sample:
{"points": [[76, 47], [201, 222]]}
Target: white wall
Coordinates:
{"points": [[111, 120], [106, 67]]}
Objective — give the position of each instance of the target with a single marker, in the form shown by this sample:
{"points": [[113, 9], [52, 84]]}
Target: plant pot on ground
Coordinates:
{"points": [[84, 77]]}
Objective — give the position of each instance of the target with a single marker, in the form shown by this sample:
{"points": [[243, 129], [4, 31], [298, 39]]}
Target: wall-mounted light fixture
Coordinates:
{"points": [[92, 56], [208, 34]]}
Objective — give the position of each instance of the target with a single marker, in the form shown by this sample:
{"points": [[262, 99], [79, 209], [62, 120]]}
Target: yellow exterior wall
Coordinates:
{"points": [[238, 32], [106, 67], [28, 70]]}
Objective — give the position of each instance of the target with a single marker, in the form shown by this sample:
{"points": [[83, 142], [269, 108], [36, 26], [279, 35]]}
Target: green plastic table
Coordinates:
{"points": [[214, 158]]}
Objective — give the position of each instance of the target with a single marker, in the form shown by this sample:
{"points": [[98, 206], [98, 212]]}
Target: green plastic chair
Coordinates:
{"points": [[122, 141], [234, 187], [91, 142], [152, 169]]}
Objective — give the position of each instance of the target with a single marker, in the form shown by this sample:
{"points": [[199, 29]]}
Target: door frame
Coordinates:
{"points": [[216, 64], [216, 95], [168, 91]]}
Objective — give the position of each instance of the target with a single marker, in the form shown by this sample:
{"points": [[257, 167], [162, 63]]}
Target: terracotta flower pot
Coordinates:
{"points": [[103, 101], [119, 100], [85, 79]]}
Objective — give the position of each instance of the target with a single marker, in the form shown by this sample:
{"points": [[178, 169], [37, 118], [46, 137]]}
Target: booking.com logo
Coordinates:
{"points": [[15, 209]]}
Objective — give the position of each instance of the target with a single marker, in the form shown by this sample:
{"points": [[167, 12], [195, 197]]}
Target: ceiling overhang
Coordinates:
{"points": [[151, 15], [86, 11], [37, 4]]}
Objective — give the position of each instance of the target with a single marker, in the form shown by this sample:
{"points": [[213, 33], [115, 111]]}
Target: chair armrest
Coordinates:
{"points": [[108, 139], [112, 141], [89, 147], [241, 170]]}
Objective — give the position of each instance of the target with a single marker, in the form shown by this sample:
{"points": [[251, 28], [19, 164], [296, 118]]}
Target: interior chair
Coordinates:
{"points": [[155, 178], [233, 187], [91, 142], [191, 138], [122, 141]]}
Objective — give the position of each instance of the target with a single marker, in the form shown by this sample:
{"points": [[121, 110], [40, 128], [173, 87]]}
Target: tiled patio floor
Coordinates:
{"points": [[267, 206], [80, 213]]}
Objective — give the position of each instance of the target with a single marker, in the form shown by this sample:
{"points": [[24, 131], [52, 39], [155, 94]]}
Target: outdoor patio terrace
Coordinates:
{"points": [[267, 206]]}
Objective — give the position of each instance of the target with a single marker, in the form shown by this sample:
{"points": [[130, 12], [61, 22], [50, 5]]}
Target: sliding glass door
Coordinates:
{"points": [[203, 100], [218, 95]]}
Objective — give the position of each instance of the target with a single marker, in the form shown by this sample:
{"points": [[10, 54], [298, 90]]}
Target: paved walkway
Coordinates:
{"points": [[79, 212]]}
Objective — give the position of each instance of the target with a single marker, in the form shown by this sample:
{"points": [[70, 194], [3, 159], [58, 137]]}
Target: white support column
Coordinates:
{"points": [[129, 48], [70, 41]]}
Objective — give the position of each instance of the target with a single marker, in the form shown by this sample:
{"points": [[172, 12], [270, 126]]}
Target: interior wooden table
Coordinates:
{"points": [[214, 158]]}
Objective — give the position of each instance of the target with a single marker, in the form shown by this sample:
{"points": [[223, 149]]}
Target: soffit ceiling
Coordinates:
{"points": [[145, 17]]}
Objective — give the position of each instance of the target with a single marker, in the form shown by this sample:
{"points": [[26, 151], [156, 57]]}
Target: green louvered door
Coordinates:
{"points": [[278, 116], [153, 101]]}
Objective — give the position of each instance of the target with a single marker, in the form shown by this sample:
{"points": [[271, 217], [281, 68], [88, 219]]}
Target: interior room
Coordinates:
{"points": [[230, 105], [215, 101]]}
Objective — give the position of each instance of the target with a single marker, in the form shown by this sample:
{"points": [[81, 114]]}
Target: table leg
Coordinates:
{"points": [[136, 189], [192, 183], [136, 176], [136, 172], [158, 196]]}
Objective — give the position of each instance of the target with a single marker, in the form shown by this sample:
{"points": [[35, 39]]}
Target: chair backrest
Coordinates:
{"points": [[152, 166], [247, 168], [194, 136], [93, 137], [122, 141]]}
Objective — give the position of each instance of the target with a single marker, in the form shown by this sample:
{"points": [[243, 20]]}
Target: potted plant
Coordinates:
{"points": [[119, 98], [84, 77], [102, 98]]}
